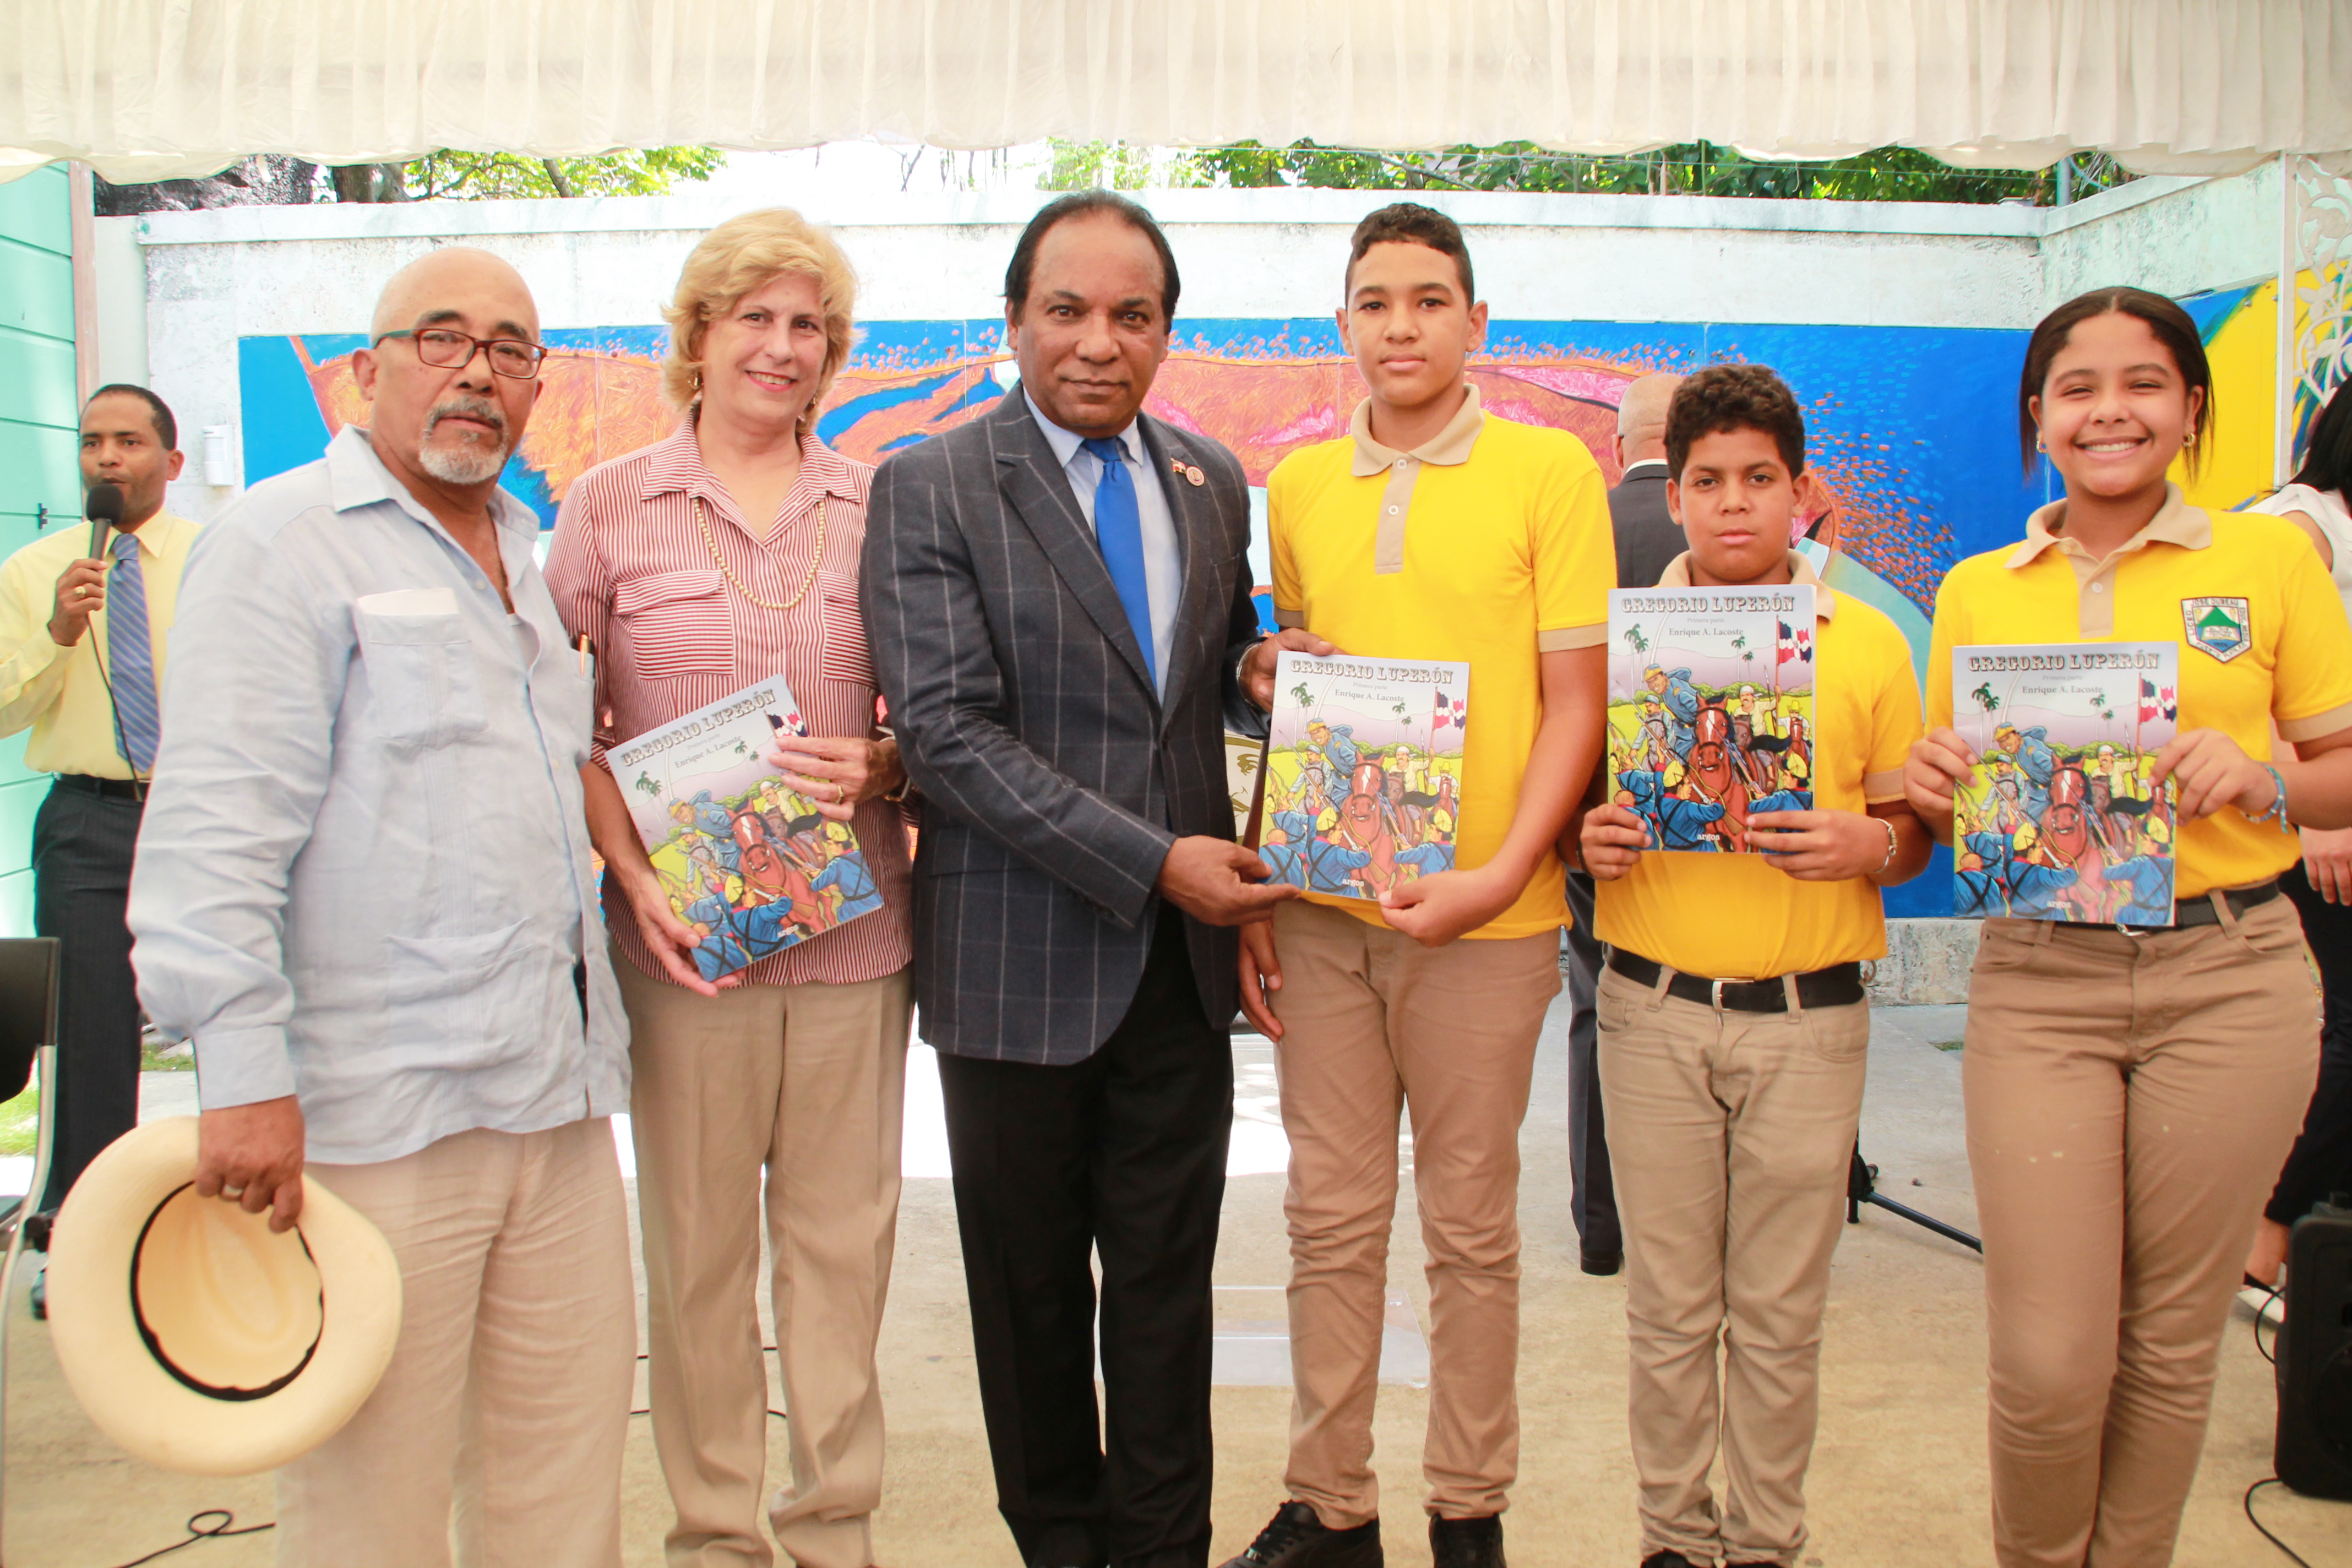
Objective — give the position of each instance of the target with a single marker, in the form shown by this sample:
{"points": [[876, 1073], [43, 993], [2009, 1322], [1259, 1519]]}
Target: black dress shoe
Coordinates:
{"points": [[1667, 1560], [1466, 1542], [1295, 1538], [1603, 1263], [41, 1293]]}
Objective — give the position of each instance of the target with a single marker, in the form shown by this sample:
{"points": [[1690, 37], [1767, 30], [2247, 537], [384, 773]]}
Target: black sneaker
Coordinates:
{"points": [[1295, 1538], [1602, 1263], [1466, 1542]]}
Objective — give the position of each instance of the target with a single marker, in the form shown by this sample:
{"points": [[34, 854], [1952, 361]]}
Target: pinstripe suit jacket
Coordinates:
{"points": [[1053, 778]]}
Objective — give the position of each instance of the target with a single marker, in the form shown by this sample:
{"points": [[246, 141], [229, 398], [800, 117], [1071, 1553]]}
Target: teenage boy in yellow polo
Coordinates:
{"points": [[1432, 530], [1733, 1025]]}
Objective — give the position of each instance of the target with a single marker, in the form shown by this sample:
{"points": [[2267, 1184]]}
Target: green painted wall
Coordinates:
{"points": [[39, 425]]}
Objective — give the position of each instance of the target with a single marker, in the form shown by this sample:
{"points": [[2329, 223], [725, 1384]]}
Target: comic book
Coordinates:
{"points": [[1245, 756], [2062, 818], [748, 863], [1362, 781], [1710, 710]]}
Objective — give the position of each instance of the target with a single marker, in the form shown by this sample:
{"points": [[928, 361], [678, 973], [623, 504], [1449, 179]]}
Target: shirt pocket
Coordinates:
{"points": [[466, 1002], [676, 622], [424, 683], [841, 621]]}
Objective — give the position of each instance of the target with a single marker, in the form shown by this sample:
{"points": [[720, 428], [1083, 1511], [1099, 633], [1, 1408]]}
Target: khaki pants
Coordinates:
{"points": [[501, 1418], [1730, 1135], [809, 1081], [2129, 1101], [1372, 1021]]}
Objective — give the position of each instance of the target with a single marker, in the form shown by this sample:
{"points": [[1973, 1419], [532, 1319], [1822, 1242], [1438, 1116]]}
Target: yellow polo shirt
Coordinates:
{"points": [[1491, 545], [2262, 631], [58, 691], [1733, 917]]}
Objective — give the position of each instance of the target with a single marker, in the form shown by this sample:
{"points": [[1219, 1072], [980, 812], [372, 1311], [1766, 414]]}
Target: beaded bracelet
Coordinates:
{"points": [[2276, 811]]}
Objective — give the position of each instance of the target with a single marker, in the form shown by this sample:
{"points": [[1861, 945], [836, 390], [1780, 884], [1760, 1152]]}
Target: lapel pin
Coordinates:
{"points": [[1194, 475]]}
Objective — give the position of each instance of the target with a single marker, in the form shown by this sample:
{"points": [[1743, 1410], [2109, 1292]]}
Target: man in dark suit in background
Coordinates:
{"points": [[1647, 538], [1647, 534], [1058, 597]]}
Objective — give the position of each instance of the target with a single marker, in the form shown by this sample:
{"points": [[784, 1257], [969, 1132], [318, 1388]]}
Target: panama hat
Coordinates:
{"points": [[195, 1336]]}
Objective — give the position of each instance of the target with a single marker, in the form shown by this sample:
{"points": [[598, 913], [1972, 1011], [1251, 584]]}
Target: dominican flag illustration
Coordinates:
{"points": [[2171, 702], [2150, 708], [1450, 710], [1796, 644]]}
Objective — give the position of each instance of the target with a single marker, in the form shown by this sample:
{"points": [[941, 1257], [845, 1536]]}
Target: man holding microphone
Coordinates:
{"points": [[82, 639]]}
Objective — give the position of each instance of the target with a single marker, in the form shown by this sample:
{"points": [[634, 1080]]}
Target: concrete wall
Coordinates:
{"points": [[2175, 236], [213, 276], [40, 424], [178, 291]]}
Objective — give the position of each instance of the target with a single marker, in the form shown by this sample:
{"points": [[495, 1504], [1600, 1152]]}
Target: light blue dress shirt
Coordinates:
{"points": [[364, 876], [1163, 558]]}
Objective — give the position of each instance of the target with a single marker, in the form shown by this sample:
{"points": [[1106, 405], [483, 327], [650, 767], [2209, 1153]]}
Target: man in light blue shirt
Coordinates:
{"points": [[363, 889]]}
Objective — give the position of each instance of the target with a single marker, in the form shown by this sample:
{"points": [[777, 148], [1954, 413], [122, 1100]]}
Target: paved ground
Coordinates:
{"points": [[1898, 1480]]}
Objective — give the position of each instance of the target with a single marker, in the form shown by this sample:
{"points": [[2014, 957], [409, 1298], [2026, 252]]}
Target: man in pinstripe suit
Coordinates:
{"points": [[1057, 598]]}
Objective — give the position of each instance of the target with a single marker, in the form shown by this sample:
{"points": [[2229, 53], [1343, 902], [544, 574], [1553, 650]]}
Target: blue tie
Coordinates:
{"points": [[130, 656], [1118, 530]]}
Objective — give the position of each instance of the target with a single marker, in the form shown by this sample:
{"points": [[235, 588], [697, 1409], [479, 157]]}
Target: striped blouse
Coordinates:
{"points": [[631, 569]]}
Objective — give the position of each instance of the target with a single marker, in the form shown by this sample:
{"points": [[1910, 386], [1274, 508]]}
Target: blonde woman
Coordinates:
{"points": [[724, 555]]}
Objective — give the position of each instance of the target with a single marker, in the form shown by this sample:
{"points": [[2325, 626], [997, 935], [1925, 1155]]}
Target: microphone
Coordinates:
{"points": [[104, 510]]}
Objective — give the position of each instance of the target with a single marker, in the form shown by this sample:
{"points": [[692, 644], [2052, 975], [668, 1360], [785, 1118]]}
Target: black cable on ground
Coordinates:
{"points": [[198, 1531], [2260, 1312], [2293, 1556]]}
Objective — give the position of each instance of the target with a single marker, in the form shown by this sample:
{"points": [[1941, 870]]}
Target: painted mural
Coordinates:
{"points": [[1908, 424], [1911, 428]]}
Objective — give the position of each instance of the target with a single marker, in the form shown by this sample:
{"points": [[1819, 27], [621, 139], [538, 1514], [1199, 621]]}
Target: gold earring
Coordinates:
{"points": [[2039, 444]]}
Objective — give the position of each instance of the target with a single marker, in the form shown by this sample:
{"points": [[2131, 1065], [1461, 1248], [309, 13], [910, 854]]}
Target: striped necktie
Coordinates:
{"points": [[130, 656]]}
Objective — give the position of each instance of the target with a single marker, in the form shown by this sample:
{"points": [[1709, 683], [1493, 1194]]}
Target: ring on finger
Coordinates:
{"points": [[228, 1191]]}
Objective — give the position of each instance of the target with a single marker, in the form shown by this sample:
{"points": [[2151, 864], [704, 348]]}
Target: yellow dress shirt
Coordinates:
{"points": [[59, 691]]}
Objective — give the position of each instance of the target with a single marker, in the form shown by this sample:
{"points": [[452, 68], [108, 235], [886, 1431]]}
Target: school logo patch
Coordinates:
{"points": [[2223, 627]]}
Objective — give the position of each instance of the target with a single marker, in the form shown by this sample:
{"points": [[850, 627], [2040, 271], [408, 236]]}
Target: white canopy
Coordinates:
{"points": [[148, 89]]}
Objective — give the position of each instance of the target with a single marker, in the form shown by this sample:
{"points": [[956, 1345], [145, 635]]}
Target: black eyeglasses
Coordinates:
{"points": [[447, 350]]}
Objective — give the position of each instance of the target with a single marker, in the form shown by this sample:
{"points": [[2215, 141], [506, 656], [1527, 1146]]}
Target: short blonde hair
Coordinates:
{"points": [[740, 256]]}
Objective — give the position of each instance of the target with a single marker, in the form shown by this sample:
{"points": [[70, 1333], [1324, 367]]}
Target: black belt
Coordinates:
{"points": [[2200, 910], [1837, 986], [105, 789]]}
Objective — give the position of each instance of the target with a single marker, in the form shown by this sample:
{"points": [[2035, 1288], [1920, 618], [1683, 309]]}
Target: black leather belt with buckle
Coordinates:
{"points": [[1837, 986], [2200, 910], [105, 789]]}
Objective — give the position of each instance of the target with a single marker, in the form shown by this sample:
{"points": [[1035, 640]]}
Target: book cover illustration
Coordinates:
{"points": [[2062, 818], [1362, 779], [752, 866], [1245, 756], [1710, 710]]}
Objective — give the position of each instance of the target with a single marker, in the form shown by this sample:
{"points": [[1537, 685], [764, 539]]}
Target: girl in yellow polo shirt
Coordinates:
{"points": [[2131, 1090]]}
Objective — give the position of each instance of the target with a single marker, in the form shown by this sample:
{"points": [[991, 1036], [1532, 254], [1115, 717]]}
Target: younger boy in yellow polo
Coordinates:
{"points": [[1733, 1023], [1433, 530]]}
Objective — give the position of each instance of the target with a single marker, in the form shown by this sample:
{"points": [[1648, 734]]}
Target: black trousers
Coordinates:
{"points": [[1593, 1191], [82, 846], [2320, 1163], [1120, 1156]]}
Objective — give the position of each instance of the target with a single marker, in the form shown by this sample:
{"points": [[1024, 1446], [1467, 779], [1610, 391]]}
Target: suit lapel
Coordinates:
{"points": [[1039, 493], [1198, 539]]}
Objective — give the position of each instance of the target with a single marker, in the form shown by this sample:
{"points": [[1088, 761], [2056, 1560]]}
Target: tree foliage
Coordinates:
{"points": [[1693, 168], [453, 175]]}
